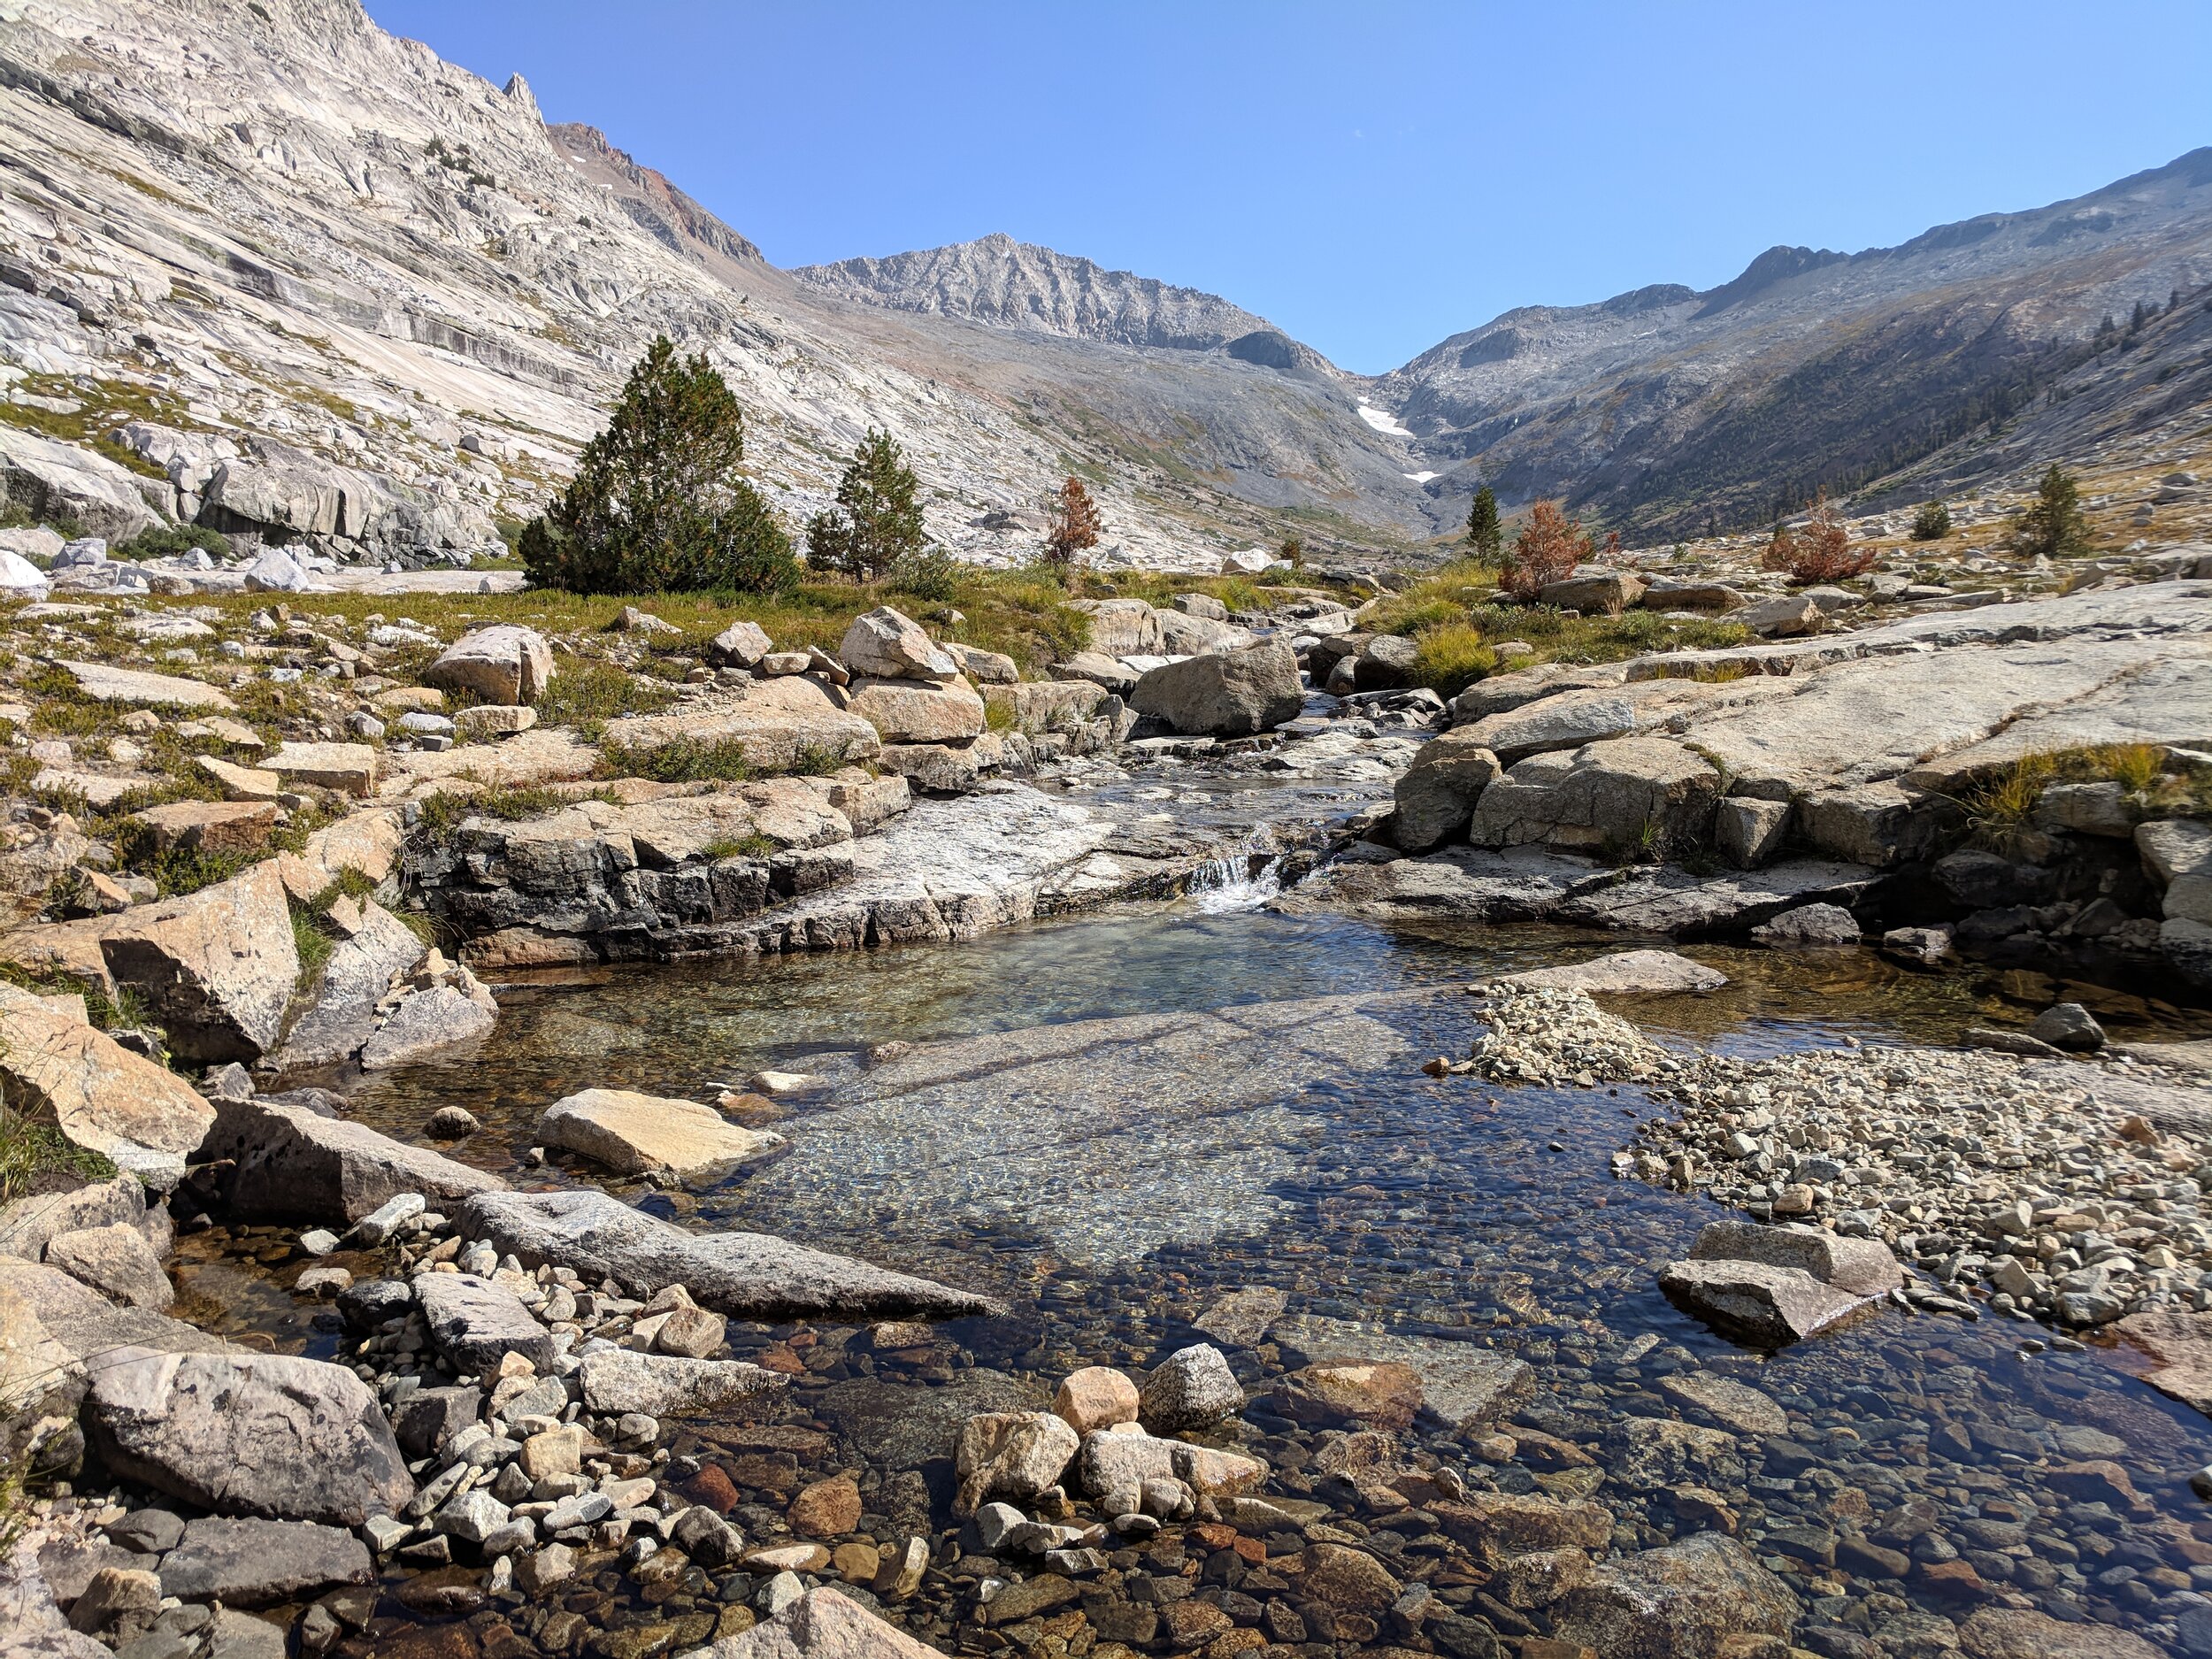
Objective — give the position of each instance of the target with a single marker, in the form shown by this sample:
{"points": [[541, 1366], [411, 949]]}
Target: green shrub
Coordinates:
{"points": [[680, 760], [659, 503], [932, 574], [587, 692], [1932, 522], [752, 845], [166, 540]]}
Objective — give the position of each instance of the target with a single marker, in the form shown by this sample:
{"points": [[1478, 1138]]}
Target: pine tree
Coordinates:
{"points": [[1075, 524], [1484, 532], [658, 504], [876, 522], [2055, 524], [1932, 522]]}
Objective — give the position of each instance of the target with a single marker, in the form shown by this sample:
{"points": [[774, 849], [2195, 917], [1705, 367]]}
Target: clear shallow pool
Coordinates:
{"points": [[1091, 1148]]}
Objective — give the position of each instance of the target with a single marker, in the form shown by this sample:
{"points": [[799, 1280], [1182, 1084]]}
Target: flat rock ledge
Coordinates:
{"points": [[746, 1275]]}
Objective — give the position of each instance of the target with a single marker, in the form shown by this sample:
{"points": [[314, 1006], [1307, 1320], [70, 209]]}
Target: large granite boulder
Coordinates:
{"points": [[29, 1224], [216, 968], [1593, 592], [343, 1014], [919, 710], [1122, 627], [749, 1275], [140, 1116], [821, 1624], [777, 724], [252, 1563], [475, 1323], [504, 663], [1763, 1305], [888, 644], [1861, 1267], [266, 1434], [429, 1018], [616, 1380], [103, 682], [1633, 794], [1228, 694], [36, 1627], [116, 1261], [1624, 973], [54, 481], [291, 1164], [1009, 1455], [1436, 795]]}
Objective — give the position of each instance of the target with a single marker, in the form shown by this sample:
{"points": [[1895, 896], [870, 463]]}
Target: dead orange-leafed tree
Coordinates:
{"points": [[1820, 551], [1547, 548], [1075, 524]]}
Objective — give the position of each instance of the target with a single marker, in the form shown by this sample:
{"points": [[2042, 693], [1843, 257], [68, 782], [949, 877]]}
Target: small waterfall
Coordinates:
{"points": [[1242, 881]]}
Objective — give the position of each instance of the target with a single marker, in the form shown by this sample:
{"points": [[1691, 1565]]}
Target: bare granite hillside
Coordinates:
{"points": [[1667, 406]]}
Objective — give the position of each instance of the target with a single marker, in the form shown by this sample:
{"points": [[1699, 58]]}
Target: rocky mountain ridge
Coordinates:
{"points": [[266, 266], [1665, 406], [1019, 285]]}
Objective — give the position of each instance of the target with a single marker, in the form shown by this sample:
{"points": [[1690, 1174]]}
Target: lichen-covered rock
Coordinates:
{"points": [[1191, 1388], [1013, 1455], [266, 1434]]}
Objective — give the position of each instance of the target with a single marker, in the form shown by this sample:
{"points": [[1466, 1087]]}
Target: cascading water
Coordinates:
{"points": [[1243, 880]]}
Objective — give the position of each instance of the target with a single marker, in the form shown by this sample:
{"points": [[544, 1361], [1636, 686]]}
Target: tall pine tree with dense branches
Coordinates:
{"points": [[2055, 524], [1485, 535], [659, 503], [877, 522]]}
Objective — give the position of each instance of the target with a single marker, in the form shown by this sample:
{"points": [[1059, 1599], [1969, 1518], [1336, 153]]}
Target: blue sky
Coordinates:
{"points": [[1373, 178]]}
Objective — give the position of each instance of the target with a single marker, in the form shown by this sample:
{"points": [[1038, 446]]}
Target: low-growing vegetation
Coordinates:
{"points": [[1819, 550], [36, 1157], [1457, 620], [2001, 803]]}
